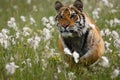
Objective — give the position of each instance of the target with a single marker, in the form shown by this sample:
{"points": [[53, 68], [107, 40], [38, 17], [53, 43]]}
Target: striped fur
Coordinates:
{"points": [[78, 33]]}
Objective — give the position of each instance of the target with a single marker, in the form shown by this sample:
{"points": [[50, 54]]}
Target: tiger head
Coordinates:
{"points": [[70, 20]]}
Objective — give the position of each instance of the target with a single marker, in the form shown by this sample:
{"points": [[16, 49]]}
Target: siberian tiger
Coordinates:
{"points": [[79, 36]]}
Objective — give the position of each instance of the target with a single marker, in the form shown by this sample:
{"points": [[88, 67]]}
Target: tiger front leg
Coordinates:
{"points": [[75, 55]]}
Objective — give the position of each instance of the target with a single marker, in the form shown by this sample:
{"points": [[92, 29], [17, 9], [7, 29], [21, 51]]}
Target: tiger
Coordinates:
{"points": [[79, 37]]}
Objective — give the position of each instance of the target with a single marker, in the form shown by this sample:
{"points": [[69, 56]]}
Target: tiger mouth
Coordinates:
{"points": [[66, 31], [71, 33]]}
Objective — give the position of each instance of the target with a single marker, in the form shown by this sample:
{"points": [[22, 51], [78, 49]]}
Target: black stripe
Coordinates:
{"points": [[84, 47]]}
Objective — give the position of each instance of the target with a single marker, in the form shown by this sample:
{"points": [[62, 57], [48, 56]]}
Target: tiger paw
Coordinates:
{"points": [[76, 56], [67, 51]]}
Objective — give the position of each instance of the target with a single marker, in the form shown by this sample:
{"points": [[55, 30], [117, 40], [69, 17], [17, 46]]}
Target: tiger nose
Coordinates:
{"points": [[66, 25]]}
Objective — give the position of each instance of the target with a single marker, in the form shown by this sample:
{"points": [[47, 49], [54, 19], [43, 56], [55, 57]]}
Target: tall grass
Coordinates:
{"points": [[30, 46]]}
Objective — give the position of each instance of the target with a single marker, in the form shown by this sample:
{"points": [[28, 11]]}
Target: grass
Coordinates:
{"points": [[44, 62]]}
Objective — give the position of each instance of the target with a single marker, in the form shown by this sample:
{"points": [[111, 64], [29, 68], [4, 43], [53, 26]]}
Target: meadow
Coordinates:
{"points": [[29, 47]]}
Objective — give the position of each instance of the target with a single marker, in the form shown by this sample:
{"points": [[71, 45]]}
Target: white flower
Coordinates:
{"points": [[12, 23], [76, 56], [104, 62], [11, 67], [48, 26], [67, 51], [114, 22], [117, 43], [95, 13], [29, 62], [26, 31], [71, 76], [47, 34], [23, 18], [114, 11], [34, 41], [115, 35], [107, 49], [5, 31], [107, 32], [107, 3], [44, 20], [28, 1], [115, 73], [59, 69], [51, 19], [35, 8], [17, 35], [102, 33], [4, 38], [32, 20], [119, 55]]}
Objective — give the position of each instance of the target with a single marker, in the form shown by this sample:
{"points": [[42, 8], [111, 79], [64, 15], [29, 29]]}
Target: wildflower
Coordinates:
{"points": [[117, 43], [104, 62], [107, 32], [34, 41], [44, 20], [107, 3], [71, 76], [114, 11], [29, 62], [11, 67], [76, 56], [119, 55], [44, 64], [4, 38], [28, 1], [115, 35], [35, 8], [59, 69], [51, 19], [26, 31], [115, 73], [47, 34], [23, 18], [48, 25], [12, 23], [114, 22], [96, 13], [17, 35], [102, 33], [107, 44], [32, 20]]}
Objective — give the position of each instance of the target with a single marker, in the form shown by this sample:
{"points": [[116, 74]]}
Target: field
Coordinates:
{"points": [[28, 41]]}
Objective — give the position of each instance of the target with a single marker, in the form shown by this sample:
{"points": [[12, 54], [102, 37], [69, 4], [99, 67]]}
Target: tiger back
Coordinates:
{"points": [[79, 37]]}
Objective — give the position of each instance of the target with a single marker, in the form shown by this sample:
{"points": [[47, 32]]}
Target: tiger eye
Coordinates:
{"points": [[73, 15], [60, 17]]}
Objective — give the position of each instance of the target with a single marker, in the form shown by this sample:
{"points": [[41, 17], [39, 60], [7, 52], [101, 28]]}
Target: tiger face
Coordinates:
{"points": [[70, 19]]}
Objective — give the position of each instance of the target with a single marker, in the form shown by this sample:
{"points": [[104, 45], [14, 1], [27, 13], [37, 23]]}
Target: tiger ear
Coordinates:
{"points": [[58, 5], [79, 5]]}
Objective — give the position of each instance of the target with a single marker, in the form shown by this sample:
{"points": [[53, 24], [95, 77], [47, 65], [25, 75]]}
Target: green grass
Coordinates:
{"points": [[45, 61]]}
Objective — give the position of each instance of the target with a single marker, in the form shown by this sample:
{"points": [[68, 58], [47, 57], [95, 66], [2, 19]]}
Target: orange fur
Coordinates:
{"points": [[94, 42]]}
